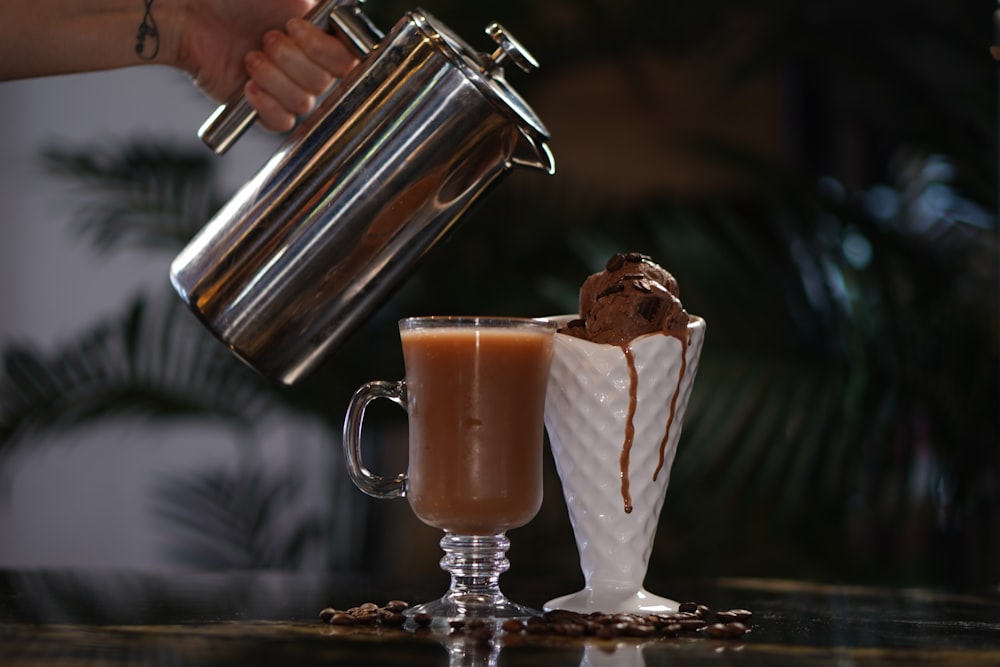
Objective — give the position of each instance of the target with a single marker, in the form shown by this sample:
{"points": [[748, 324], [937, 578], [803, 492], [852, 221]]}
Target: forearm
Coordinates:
{"points": [[44, 37], [213, 41]]}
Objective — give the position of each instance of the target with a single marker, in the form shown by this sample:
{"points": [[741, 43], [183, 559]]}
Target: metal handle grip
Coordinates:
{"points": [[231, 120]]}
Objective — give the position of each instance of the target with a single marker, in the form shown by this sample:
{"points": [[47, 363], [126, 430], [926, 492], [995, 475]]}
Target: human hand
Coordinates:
{"points": [[225, 42], [293, 68]]}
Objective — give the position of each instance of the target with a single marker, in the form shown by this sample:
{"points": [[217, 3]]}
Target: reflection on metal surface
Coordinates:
{"points": [[379, 173]]}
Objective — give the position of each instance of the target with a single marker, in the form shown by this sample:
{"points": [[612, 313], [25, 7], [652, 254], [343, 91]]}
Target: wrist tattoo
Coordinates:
{"points": [[147, 29]]}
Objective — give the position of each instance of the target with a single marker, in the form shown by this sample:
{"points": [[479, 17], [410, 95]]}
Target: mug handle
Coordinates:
{"points": [[372, 484]]}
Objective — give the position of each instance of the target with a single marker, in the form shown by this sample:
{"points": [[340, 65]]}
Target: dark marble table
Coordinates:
{"points": [[131, 618]]}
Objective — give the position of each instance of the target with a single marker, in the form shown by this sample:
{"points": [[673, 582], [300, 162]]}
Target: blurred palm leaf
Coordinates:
{"points": [[153, 360], [236, 520], [156, 360], [152, 195]]}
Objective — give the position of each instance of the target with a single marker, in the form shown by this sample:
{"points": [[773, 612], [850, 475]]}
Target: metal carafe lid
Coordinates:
{"points": [[486, 72]]}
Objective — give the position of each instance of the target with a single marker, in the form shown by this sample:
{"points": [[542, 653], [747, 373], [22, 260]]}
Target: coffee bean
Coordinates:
{"points": [[326, 614], [391, 618], [397, 606], [536, 625], [692, 623], [366, 617], [734, 615], [615, 262], [688, 607], [626, 618], [684, 615], [610, 630], [567, 629], [423, 620], [563, 616], [512, 625], [641, 630], [736, 629], [672, 630], [717, 631], [343, 618]]}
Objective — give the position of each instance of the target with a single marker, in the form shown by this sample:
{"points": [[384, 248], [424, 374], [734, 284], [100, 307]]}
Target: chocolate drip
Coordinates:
{"points": [[633, 400], [673, 404]]}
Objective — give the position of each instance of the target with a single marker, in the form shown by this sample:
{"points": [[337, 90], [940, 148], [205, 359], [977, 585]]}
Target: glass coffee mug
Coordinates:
{"points": [[474, 394]]}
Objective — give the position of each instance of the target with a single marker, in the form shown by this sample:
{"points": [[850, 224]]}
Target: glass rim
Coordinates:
{"points": [[476, 322]]}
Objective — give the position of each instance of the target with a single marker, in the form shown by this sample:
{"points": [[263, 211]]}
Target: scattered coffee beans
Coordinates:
{"points": [[369, 613], [690, 620]]}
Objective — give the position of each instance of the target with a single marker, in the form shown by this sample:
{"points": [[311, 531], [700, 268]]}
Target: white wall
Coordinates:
{"points": [[80, 498]]}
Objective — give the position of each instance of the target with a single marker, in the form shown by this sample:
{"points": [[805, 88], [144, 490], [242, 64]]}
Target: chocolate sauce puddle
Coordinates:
{"points": [[633, 400]]}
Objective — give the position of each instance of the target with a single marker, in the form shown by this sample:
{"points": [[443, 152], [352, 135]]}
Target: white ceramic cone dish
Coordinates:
{"points": [[586, 416]]}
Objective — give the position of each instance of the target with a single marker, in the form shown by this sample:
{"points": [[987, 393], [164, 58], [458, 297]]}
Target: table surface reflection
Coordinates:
{"points": [[132, 618]]}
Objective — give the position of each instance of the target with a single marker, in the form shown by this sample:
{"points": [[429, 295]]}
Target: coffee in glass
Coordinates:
{"points": [[475, 395]]}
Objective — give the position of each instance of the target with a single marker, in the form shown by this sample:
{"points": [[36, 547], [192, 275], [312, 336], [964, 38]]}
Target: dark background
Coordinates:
{"points": [[821, 179]]}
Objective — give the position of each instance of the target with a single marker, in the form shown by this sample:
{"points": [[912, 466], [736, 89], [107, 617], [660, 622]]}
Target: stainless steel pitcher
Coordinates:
{"points": [[378, 173]]}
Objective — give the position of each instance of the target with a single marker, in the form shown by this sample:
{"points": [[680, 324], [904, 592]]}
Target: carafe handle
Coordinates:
{"points": [[342, 17]]}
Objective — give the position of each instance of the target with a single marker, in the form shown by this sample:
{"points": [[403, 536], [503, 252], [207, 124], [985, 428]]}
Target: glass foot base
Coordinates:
{"points": [[613, 601], [454, 608]]}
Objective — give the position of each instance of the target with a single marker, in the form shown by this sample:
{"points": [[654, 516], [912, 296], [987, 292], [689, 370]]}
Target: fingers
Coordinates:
{"points": [[327, 52], [271, 114], [291, 70]]}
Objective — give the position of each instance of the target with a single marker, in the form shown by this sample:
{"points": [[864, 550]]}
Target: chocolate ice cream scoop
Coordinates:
{"points": [[633, 296]]}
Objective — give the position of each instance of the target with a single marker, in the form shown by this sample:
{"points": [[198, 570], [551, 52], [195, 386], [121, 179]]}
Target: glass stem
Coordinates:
{"points": [[475, 563]]}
